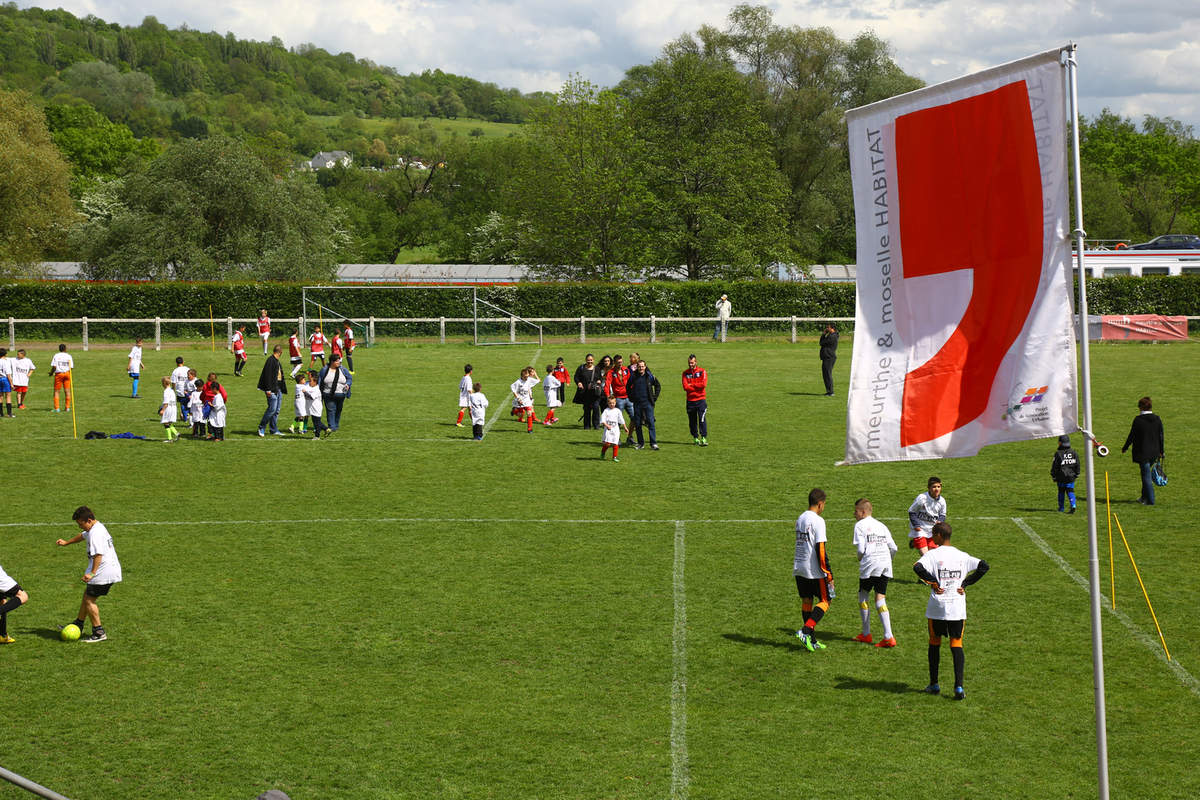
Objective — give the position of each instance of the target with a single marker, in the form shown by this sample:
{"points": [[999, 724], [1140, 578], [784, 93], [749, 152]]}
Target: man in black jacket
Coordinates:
{"points": [[829, 342], [270, 382], [1146, 438], [643, 390]]}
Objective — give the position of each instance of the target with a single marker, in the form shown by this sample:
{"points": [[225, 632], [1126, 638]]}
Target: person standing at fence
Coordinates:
{"points": [[23, 369], [264, 328], [828, 343], [724, 309], [60, 369], [1146, 438], [695, 389], [587, 377], [271, 383], [349, 343], [6, 379], [134, 367], [335, 382]]}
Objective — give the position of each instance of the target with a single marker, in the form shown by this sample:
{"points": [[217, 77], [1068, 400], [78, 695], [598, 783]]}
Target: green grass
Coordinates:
{"points": [[400, 612], [462, 126]]}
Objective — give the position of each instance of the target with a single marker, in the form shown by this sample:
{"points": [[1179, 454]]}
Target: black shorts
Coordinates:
{"points": [[878, 584], [812, 587], [97, 589], [11, 591], [297, 360], [950, 628]]}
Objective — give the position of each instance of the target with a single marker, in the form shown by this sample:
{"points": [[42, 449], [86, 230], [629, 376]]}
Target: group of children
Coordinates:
{"points": [[16, 372], [472, 400], [187, 399], [103, 570], [945, 569]]}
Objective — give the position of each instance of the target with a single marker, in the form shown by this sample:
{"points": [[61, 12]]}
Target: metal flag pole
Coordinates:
{"points": [[1088, 459]]}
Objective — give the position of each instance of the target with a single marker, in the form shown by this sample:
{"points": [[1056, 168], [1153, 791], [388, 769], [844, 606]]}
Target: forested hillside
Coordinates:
{"points": [[181, 152]]}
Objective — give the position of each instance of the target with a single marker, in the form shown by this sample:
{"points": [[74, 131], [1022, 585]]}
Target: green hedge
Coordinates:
{"points": [[1149, 295]]}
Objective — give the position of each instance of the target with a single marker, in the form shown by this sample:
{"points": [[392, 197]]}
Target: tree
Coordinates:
{"points": [[35, 204], [581, 198], [95, 147], [209, 210], [719, 207]]}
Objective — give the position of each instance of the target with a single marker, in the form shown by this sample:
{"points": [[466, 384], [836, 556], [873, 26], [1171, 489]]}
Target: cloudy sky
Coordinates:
{"points": [[1135, 57]]}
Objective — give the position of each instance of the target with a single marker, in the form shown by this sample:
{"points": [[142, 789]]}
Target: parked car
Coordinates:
{"points": [[1170, 241]]}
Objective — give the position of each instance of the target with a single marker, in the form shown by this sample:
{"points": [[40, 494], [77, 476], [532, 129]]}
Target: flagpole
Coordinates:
{"points": [[1088, 458]]}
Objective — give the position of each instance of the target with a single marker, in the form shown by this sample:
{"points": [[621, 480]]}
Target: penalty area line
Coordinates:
{"points": [[1185, 677]]}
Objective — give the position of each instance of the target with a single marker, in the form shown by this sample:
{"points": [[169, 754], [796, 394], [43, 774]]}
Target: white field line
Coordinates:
{"points": [[501, 406], [439, 521], [679, 752], [1185, 677]]}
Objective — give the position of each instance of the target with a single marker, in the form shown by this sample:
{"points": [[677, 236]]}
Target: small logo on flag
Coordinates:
{"points": [[1034, 394]]}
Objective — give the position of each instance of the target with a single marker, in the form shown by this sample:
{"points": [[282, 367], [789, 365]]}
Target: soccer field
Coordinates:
{"points": [[401, 612]]}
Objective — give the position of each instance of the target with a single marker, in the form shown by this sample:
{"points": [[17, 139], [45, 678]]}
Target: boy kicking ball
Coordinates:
{"points": [[104, 569]]}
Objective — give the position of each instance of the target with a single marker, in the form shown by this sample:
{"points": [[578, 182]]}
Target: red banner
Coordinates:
{"points": [[1143, 327]]}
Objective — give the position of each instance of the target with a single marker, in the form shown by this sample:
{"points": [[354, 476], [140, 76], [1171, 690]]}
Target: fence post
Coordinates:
{"points": [[651, 329], [229, 333], [793, 329], [582, 331], [724, 327], [512, 330], [12, 334], [157, 333], [441, 330], [371, 331], [85, 333]]}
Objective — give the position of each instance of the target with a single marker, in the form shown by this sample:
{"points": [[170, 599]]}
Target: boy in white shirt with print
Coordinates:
{"points": [[612, 420], [169, 410], [23, 369], [464, 394], [478, 403], [104, 569], [929, 508], [550, 385], [875, 547], [60, 368]]}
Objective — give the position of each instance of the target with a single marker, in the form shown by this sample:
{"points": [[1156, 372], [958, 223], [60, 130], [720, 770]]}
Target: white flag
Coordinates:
{"points": [[963, 328]]}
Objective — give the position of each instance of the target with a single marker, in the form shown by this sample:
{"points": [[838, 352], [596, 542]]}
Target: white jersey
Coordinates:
{"points": [[134, 367], [61, 362], [300, 400], [99, 542], [923, 513], [170, 411], [523, 391], [875, 546], [478, 405], [950, 566], [810, 534], [611, 421], [6, 582], [313, 406], [6, 367], [22, 367], [179, 378], [550, 386], [195, 405], [464, 391], [216, 411]]}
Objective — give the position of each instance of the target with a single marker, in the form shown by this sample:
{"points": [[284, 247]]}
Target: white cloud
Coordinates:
{"points": [[1137, 58]]}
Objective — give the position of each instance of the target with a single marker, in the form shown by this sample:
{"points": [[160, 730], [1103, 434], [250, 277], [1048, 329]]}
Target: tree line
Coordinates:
{"points": [[724, 156]]}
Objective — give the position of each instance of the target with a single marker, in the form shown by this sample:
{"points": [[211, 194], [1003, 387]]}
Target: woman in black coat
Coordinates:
{"points": [[587, 390]]}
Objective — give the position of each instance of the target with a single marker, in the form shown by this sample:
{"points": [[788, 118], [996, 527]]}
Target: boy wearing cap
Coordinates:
{"points": [[1064, 469]]}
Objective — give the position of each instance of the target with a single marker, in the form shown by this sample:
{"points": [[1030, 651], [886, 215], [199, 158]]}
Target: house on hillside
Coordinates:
{"points": [[325, 160]]}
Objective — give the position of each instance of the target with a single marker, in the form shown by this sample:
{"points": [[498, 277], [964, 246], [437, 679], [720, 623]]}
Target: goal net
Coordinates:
{"points": [[495, 325], [315, 312]]}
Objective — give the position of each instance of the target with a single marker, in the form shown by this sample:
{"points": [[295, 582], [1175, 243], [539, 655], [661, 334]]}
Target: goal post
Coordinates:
{"points": [[312, 310], [495, 325]]}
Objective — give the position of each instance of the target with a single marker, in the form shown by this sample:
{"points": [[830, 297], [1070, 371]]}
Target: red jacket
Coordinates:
{"points": [[695, 381], [616, 382], [208, 392]]}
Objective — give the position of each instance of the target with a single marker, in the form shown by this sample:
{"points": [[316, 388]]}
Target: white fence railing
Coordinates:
{"points": [[227, 324]]}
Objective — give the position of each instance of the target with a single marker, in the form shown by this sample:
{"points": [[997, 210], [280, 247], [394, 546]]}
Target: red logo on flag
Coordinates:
{"points": [[970, 197]]}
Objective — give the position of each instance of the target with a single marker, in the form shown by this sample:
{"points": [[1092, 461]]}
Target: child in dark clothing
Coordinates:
{"points": [[1065, 469]]}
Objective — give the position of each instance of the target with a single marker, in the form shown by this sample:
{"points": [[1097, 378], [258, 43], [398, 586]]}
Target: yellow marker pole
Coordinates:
{"points": [[212, 329], [71, 390], [1112, 572], [1139, 577]]}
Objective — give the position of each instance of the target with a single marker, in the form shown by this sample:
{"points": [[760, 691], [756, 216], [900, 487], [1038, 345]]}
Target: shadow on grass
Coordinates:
{"points": [[892, 687], [824, 636], [791, 644], [808, 394], [48, 633]]}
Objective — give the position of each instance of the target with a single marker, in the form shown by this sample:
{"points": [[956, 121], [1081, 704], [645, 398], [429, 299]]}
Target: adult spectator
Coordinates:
{"points": [[829, 341], [1146, 438], [695, 389], [334, 381], [644, 390], [270, 383], [606, 363], [724, 309], [587, 391]]}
